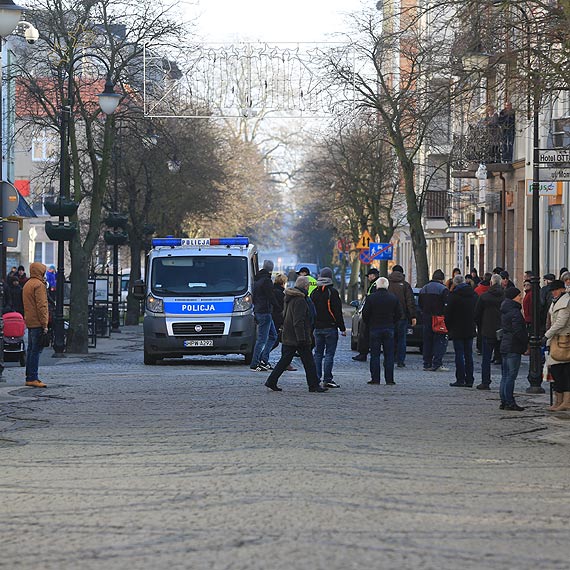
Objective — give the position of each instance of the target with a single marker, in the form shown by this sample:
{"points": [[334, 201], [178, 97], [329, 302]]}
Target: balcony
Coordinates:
{"points": [[463, 212], [435, 210]]}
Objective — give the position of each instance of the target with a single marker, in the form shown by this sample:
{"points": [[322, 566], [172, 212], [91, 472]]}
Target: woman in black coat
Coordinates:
{"points": [[279, 291], [514, 342]]}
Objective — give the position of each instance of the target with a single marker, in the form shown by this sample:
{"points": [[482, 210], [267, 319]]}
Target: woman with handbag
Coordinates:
{"points": [[558, 343]]}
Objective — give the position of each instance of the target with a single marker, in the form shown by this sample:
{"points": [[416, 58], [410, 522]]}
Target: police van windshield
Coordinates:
{"points": [[199, 275]]}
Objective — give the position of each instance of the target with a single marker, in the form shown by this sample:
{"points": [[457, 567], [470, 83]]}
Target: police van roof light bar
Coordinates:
{"points": [[198, 242]]}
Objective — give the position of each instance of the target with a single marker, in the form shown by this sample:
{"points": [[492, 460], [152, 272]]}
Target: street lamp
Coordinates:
{"points": [[62, 231]]}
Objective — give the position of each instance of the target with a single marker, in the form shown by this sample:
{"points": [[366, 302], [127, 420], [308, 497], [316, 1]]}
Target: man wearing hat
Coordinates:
{"points": [[403, 291], [505, 280], [304, 271], [363, 335]]}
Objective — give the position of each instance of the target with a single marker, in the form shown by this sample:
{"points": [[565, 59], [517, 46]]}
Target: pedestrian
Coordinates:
{"points": [[403, 290], [305, 271], [328, 321], [14, 300], [505, 280], [566, 278], [13, 273], [460, 322], [279, 291], [363, 336], [51, 278], [559, 325], [22, 277], [475, 276], [449, 282], [527, 304], [296, 337], [35, 302], [382, 311], [263, 303], [484, 285], [514, 342], [432, 300], [488, 320], [562, 272]]}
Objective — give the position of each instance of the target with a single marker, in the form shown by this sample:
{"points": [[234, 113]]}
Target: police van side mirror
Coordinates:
{"points": [[138, 289]]}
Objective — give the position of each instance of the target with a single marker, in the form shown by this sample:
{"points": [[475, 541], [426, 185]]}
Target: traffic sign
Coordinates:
{"points": [[364, 241], [555, 174], [383, 251], [9, 233], [10, 198], [556, 156], [364, 257], [343, 245]]}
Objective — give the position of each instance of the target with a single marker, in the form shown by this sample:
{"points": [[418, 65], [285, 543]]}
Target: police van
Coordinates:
{"points": [[198, 298]]}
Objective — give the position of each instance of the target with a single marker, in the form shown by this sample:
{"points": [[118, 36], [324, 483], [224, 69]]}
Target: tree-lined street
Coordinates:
{"points": [[194, 464]]}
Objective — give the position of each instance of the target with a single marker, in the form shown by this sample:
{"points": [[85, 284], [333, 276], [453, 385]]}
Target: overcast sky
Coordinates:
{"points": [[270, 21]]}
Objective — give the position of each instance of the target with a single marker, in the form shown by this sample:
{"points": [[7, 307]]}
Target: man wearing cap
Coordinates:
{"points": [[328, 321], [363, 336], [263, 303], [304, 271], [432, 301], [381, 312], [505, 280], [403, 290]]}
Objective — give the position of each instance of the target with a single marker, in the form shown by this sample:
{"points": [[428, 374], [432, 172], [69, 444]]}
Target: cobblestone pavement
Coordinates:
{"points": [[195, 464]]}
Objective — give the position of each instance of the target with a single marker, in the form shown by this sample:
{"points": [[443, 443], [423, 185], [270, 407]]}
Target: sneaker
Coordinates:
{"points": [[267, 365], [401, 365], [331, 384], [36, 384], [360, 358], [261, 368], [440, 369], [483, 386]]}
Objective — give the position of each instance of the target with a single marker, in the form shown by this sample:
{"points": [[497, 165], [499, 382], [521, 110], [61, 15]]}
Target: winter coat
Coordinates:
{"points": [[488, 311], [328, 307], [527, 307], [382, 309], [296, 318], [263, 296], [35, 298], [559, 323], [15, 299], [515, 337], [460, 312], [51, 279], [433, 298], [483, 287], [277, 314], [403, 290]]}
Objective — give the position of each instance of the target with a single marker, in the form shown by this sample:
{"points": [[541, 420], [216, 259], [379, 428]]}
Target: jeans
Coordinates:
{"points": [[489, 345], [509, 369], [266, 337], [382, 340], [325, 345], [401, 337], [287, 354], [463, 348], [435, 345], [33, 353]]}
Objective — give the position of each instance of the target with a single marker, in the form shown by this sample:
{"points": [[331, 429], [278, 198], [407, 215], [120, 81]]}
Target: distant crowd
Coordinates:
{"points": [[488, 314]]}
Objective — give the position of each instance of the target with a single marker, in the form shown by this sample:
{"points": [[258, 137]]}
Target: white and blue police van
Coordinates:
{"points": [[198, 298]]}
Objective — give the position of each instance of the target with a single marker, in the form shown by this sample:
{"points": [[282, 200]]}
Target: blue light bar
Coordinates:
{"points": [[198, 242]]}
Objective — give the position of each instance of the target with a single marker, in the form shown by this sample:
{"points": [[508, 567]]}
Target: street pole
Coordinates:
{"points": [[2, 247], [115, 320], [535, 372]]}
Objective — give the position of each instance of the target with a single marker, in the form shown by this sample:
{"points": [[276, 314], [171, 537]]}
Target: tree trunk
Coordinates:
{"points": [[414, 216], [78, 336], [134, 305]]}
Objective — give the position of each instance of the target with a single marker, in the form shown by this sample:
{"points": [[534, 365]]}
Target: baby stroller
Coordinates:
{"points": [[14, 347]]}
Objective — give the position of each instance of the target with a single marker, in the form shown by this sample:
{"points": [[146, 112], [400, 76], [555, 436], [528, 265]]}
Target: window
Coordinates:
{"points": [[38, 203], [45, 252], [44, 146]]}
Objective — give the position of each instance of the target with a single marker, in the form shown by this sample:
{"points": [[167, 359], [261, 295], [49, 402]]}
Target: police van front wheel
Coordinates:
{"points": [[149, 359]]}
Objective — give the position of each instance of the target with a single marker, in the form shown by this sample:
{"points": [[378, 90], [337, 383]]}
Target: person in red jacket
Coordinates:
{"points": [[484, 286], [527, 303]]}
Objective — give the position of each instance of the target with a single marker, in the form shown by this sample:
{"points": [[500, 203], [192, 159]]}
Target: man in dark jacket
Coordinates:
{"points": [[296, 337], [403, 290], [505, 280], [514, 343], [381, 312], [460, 322], [432, 301], [328, 321], [488, 319], [263, 303], [363, 336]]}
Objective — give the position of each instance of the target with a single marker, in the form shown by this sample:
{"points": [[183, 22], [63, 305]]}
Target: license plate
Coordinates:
{"points": [[410, 330], [189, 343]]}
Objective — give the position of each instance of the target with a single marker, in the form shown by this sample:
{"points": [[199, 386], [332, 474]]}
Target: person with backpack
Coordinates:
{"points": [[328, 321]]}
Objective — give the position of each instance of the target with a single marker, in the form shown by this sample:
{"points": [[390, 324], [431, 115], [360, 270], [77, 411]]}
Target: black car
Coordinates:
{"points": [[415, 333]]}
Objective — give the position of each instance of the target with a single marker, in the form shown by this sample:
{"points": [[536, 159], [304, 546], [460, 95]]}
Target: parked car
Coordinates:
{"points": [[415, 333]]}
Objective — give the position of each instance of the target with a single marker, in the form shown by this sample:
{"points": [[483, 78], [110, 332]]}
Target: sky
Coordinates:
{"points": [[270, 21]]}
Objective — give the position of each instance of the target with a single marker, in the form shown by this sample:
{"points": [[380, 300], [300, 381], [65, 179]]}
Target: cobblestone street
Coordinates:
{"points": [[195, 464]]}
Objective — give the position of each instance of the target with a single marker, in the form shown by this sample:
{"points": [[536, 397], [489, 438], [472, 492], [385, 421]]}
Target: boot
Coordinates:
{"points": [[565, 405], [558, 397]]}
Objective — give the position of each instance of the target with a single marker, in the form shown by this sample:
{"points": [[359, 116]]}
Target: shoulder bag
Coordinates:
{"points": [[438, 325], [45, 339], [560, 348]]}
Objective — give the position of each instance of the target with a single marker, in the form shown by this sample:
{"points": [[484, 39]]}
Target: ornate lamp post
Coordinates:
{"points": [[63, 231]]}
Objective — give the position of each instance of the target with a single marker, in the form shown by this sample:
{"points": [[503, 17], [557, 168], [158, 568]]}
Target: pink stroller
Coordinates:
{"points": [[14, 347]]}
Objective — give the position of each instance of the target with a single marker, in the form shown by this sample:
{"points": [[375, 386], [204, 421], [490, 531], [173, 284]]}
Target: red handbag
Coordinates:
{"points": [[438, 324]]}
